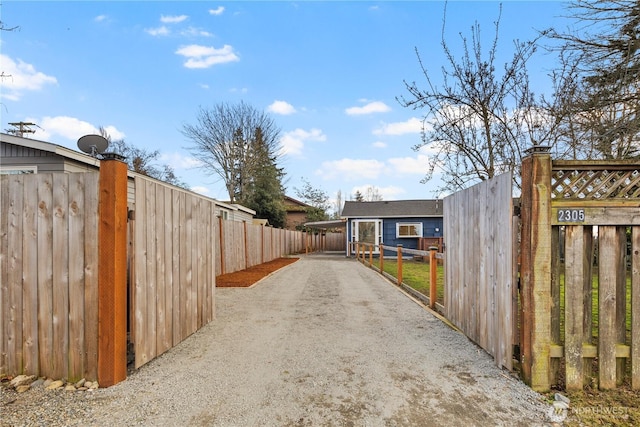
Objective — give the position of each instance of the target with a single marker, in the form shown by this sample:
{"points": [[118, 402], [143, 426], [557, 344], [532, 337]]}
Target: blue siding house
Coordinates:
{"points": [[394, 222]]}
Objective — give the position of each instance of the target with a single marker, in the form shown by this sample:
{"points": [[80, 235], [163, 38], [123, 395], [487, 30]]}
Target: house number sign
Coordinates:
{"points": [[570, 215]]}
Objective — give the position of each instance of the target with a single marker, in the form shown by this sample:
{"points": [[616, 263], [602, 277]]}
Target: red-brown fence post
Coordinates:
{"points": [[381, 258], [371, 249], [433, 270], [112, 268], [535, 273], [399, 265]]}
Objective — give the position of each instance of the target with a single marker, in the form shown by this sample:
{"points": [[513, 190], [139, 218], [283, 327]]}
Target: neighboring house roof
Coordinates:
{"points": [[48, 147], [293, 205], [393, 209]]}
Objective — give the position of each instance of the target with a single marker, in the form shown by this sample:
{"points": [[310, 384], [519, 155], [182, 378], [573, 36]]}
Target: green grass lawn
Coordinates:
{"points": [[416, 274]]}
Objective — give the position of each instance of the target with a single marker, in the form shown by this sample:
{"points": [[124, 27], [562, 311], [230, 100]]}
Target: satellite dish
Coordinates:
{"points": [[93, 144]]}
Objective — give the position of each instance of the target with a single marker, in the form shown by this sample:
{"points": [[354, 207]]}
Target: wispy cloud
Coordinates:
{"points": [[199, 56], [217, 11], [281, 107], [101, 18], [370, 108], [158, 31], [19, 77], [168, 19], [293, 142], [379, 144], [195, 32], [351, 169], [413, 125]]}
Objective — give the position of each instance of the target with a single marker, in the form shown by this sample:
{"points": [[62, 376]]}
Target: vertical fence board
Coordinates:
{"points": [[573, 285], [76, 213], [635, 308], [161, 313], [621, 298], [176, 230], [30, 276], [91, 274], [4, 281], [14, 295], [554, 364], [167, 227], [607, 280], [45, 274], [60, 275], [141, 323]]}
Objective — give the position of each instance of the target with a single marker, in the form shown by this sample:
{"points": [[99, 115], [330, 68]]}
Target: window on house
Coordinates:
{"points": [[17, 170], [404, 229], [224, 214]]}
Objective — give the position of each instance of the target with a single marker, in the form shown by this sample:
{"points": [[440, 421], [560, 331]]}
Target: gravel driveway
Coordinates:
{"points": [[322, 342]]}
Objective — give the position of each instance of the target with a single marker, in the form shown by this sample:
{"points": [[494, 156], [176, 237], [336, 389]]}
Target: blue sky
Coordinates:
{"points": [[327, 72]]}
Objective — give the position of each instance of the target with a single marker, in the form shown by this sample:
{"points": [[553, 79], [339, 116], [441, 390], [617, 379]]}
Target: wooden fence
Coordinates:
{"points": [[49, 275], [479, 270], [64, 259], [172, 267], [581, 235]]}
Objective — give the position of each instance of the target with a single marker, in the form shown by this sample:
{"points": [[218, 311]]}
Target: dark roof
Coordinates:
{"points": [[393, 209]]}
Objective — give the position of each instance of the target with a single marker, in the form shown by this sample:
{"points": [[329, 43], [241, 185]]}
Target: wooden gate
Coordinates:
{"points": [[479, 273], [581, 235]]}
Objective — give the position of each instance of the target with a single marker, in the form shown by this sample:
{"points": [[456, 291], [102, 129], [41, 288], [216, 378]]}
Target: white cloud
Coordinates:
{"points": [[216, 11], [180, 161], [195, 32], [413, 125], [204, 86], [100, 18], [205, 56], [281, 107], [372, 107], [18, 77], [351, 169], [200, 190], [70, 128], [418, 165], [159, 31], [292, 142], [390, 192], [379, 144], [168, 19]]}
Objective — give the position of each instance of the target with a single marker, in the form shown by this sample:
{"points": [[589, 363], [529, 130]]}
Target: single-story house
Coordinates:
{"points": [[393, 222], [25, 155]]}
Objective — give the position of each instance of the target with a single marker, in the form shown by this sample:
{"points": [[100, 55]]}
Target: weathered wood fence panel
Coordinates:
{"points": [[48, 270], [478, 268], [590, 211], [173, 268]]}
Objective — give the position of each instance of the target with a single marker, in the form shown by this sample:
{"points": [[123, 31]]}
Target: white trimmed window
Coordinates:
{"points": [[408, 229], [17, 170]]}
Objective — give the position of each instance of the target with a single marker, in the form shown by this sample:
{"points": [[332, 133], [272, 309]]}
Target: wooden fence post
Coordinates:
{"points": [[381, 258], [399, 265], [535, 270], [371, 248], [222, 250], [112, 268], [433, 270]]}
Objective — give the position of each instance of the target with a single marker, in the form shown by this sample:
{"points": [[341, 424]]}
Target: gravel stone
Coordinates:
{"points": [[325, 341]]}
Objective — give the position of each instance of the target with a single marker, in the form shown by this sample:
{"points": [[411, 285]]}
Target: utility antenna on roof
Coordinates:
{"points": [[93, 145], [20, 128]]}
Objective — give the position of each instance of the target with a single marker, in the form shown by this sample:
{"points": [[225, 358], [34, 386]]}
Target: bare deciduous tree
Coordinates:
{"points": [[479, 121], [601, 88], [223, 139]]}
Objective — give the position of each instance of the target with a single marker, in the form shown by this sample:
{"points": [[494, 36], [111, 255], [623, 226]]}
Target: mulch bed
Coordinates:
{"points": [[246, 278]]}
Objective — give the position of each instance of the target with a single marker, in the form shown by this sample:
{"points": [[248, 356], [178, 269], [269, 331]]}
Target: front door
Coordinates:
{"points": [[366, 231]]}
